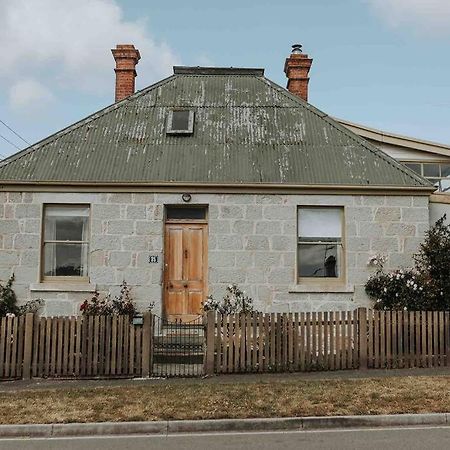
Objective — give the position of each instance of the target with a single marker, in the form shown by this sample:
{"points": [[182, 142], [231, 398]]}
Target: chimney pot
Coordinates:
{"points": [[297, 68], [126, 57]]}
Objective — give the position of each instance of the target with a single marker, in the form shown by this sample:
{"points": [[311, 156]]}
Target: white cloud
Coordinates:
{"points": [[66, 45], [29, 94], [430, 16]]}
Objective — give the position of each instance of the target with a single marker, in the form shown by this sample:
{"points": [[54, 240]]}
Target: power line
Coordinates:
{"points": [[9, 142], [17, 134]]}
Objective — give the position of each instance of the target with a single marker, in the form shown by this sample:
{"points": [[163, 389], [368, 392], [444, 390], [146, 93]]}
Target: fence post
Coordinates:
{"points": [[27, 346], [362, 338], [210, 329], [147, 337]]}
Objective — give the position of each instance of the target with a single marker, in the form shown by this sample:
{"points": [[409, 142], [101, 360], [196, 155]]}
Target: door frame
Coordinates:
{"points": [[205, 246]]}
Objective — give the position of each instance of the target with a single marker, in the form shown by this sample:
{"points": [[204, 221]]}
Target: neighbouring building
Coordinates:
{"points": [[209, 177]]}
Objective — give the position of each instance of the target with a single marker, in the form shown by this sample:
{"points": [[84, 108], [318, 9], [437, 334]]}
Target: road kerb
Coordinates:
{"points": [[172, 427]]}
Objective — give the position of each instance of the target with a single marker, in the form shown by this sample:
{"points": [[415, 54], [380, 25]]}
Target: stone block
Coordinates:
{"points": [[370, 229], [219, 226], [103, 275], [221, 259], [229, 242], [256, 275], [398, 200], [267, 259], [26, 241], [14, 197], [374, 200], [244, 259], [359, 214], [97, 258], [55, 308], [386, 214], [119, 259], [104, 242], [420, 201], [401, 229], [384, 244], [9, 258], [231, 212], [28, 258], [28, 211], [105, 212], [230, 276], [9, 226], [411, 244], [149, 227], [32, 226], [253, 212], [135, 243], [134, 276], [143, 198], [279, 212], [240, 199], [243, 227], [257, 242], [284, 243], [358, 244], [289, 227], [268, 227], [269, 199], [122, 227], [136, 212], [415, 215], [26, 275], [119, 198], [281, 276]]}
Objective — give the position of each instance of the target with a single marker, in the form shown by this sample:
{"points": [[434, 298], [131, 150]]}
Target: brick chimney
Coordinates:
{"points": [[296, 69], [126, 57]]}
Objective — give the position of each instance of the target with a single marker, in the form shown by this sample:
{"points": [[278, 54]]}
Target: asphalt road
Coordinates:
{"points": [[428, 438]]}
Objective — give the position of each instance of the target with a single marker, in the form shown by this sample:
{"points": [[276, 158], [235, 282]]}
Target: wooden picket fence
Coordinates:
{"points": [[362, 338], [82, 346]]}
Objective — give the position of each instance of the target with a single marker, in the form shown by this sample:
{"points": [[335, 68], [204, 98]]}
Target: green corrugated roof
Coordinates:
{"points": [[247, 129]]}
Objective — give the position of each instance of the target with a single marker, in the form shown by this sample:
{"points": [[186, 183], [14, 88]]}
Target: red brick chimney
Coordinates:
{"points": [[296, 69], [126, 57]]}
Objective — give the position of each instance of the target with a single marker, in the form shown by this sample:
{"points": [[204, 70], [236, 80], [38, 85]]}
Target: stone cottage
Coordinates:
{"points": [[209, 177]]}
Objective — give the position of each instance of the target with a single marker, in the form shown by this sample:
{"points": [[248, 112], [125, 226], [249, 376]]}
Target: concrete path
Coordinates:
{"points": [[6, 386], [368, 439]]}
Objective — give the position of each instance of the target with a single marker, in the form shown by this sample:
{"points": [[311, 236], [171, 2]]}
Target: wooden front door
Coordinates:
{"points": [[185, 264]]}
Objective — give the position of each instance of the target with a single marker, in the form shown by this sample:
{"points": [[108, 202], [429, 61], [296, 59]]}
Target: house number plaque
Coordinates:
{"points": [[153, 259]]}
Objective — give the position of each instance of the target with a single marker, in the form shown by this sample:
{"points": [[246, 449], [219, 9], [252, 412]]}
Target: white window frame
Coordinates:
{"points": [[171, 130], [62, 278], [323, 281]]}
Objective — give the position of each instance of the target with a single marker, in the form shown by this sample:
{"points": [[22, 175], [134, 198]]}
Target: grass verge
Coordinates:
{"points": [[215, 401]]}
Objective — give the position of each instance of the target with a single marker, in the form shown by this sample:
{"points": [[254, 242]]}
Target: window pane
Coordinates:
{"points": [[416, 167], [431, 170], [186, 213], [435, 181], [445, 185], [318, 260], [65, 260], [180, 120], [445, 170], [66, 224], [320, 222]]}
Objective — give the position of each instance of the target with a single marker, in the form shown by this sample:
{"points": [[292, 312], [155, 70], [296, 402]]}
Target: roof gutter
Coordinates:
{"points": [[331, 189]]}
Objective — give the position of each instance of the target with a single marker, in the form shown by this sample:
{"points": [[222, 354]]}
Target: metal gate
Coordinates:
{"points": [[178, 348]]}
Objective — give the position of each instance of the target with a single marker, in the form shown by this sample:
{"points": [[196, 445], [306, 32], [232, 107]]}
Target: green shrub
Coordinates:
{"points": [[426, 286], [234, 301], [8, 301]]}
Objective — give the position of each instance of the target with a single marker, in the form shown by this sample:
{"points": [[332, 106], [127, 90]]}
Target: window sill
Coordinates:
{"points": [[318, 288], [62, 287]]}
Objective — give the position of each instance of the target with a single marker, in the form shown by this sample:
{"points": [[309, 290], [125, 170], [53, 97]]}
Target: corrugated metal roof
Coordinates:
{"points": [[246, 130]]}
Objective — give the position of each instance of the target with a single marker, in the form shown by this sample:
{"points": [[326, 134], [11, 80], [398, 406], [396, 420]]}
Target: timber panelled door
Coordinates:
{"points": [[185, 262]]}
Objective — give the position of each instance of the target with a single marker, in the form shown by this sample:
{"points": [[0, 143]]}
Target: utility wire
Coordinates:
{"points": [[17, 134], [9, 142]]}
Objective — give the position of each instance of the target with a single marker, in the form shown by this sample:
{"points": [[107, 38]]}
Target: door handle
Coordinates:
{"points": [[185, 285], [170, 285]]}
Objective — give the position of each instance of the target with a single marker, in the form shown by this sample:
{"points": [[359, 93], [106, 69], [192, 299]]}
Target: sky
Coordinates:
{"points": [[380, 63]]}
